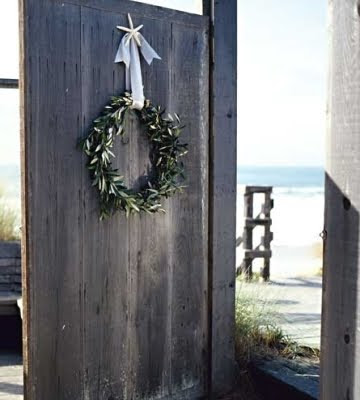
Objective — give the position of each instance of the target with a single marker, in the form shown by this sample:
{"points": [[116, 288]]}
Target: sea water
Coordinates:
{"points": [[297, 216]]}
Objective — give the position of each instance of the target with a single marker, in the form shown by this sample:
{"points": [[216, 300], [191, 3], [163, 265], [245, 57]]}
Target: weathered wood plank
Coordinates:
{"points": [[341, 290], [24, 126], [149, 249], [52, 173], [9, 83], [105, 276], [258, 189], [10, 250], [222, 190], [189, 212]]}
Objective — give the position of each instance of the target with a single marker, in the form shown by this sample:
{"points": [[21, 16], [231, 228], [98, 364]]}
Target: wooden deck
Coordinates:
{"points": [[11, 376]]}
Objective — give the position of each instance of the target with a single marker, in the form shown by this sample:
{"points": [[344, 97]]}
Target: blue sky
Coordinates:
{"points": [[281, 80]]}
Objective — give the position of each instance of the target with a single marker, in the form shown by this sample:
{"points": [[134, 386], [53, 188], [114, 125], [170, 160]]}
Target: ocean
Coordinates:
{"points": [[297, 216], [282, 177]]}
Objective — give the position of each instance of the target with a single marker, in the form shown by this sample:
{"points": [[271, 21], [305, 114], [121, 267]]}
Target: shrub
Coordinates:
{"points": [[8, 220]]}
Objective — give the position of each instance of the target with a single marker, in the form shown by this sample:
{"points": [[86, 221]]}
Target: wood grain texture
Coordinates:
{"points": [[115, 309], [222, 215], [340, 361], [190, 274], [51, 112], [10, 267], [9, 83], [105, 272]]}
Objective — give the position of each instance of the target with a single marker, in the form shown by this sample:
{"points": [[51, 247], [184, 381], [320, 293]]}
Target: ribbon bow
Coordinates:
{"points": [[128, 53]]}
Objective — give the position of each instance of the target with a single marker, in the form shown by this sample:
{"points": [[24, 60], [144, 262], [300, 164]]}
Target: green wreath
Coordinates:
{"points": [[166, 151]]}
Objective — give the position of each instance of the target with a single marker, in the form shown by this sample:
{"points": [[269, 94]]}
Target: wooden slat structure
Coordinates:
{"points": [[340, 341], [139, 307], [263, 250], [6, 83]]}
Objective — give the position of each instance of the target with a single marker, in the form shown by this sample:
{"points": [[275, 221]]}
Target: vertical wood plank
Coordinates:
{"points": [[340, 361], [189, 86], [51, 112], [222, 215], [150, 237], [106, 262], [25, 284]]}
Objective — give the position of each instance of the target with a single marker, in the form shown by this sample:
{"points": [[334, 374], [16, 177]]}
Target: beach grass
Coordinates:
{"points": [[257, 334], [8, 220]]}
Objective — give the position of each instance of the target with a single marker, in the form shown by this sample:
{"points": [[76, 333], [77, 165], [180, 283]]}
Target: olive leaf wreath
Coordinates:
{"points": [[165, 156]]}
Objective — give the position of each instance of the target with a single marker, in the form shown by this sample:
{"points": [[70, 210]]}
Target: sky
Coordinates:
{"points": [[282, 54], [282, 64]]}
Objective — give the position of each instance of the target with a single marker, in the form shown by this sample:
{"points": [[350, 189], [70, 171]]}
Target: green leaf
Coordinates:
{"points": [[166, 151]]}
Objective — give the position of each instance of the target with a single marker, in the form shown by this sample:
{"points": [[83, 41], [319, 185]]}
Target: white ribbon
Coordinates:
{"points": [[128, 53]]}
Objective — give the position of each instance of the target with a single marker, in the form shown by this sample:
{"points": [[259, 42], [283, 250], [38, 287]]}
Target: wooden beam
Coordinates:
{"points": [[9, 83], [340, 341], [222, 214], [23, 88]]}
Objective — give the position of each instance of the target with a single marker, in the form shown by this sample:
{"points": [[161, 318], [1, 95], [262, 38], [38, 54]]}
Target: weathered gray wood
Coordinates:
{"points": [[9, 83], [268, 236], [150, 268], [257, 254], [222, 191], [52, 171], [340, 351], [135, 305], [24, 125], [259, 189], [262, 250], [10, 267], [10, 250], [189, 324], [105, 264]]}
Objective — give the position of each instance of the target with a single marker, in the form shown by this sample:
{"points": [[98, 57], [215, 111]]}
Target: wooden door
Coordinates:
{"points": [[115, 309]]}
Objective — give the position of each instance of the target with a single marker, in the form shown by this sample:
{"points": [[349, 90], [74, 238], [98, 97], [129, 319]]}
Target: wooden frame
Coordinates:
{"points": [[222, 204]]}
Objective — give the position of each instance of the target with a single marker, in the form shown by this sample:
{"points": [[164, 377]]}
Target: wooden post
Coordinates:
{"points": [[222, 204], [246, 267], [263, 250], [340, 341], [268, 236]]}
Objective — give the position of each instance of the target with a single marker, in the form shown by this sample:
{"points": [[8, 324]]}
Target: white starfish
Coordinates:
{"points": [[133, 32]]}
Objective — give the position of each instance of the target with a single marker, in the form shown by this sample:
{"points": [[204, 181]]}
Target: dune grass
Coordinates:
{"points": [[8, 220], [257, 334]]}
